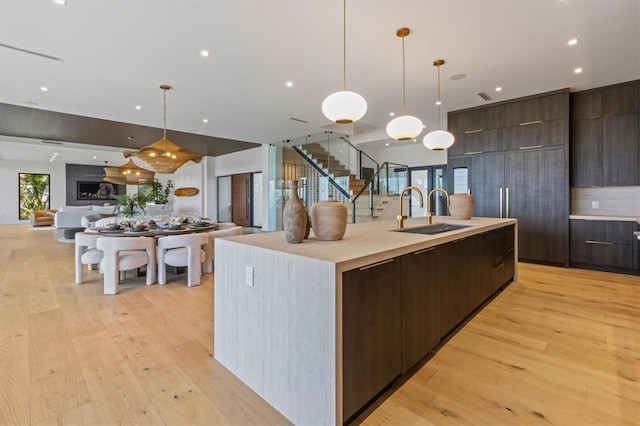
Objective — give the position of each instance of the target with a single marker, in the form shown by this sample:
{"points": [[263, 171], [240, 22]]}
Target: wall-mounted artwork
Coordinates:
{"points": [[96, 191], [33, 193]]}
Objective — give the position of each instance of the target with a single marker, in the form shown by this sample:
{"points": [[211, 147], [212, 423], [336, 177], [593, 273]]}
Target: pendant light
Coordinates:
{"points": [[404, 127], [438, 140], [164, 156], [344, 107], [128, 174]]}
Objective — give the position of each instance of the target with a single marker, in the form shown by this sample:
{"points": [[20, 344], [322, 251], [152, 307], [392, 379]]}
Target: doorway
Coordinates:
{"points": [[240, 199], [426, 178]]}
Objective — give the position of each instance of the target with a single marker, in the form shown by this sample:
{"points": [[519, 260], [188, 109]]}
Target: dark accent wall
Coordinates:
{"points": [[85, 173]]}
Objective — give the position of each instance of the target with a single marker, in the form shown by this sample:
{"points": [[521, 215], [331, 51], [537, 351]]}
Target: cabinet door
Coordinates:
{"points": [[454, 287], [586, 105], [479, 268], [371, 340], [620, 99], [536, 134], [538, 198], [422, 276], [503, 244], [586, 152], [487, 185], [620, 150]]}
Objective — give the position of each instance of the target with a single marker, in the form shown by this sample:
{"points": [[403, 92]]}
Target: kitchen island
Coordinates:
{"points": [[319, 329]]}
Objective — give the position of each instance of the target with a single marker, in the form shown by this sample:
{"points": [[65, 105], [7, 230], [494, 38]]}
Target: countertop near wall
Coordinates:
{"points": [[606, 203]]}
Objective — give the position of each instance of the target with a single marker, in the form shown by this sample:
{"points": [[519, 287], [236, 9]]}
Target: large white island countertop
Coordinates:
{"points": [[278, 308], [369, 242]]}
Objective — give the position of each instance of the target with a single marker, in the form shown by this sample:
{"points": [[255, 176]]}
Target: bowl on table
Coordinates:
{"points": [[139, 228], [174, 226], [113, 227]]}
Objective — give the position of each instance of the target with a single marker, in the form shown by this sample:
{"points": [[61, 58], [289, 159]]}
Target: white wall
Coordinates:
{"points": [[9, 186], [190, 175], [414, 154]]}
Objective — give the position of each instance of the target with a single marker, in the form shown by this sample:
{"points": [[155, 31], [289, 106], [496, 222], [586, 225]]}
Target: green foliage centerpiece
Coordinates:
{"points": [[130, 205]]}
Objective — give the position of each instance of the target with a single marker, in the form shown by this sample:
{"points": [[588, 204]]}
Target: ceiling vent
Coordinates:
{"points": [[485, 96], [298, 120], [51, 142]]}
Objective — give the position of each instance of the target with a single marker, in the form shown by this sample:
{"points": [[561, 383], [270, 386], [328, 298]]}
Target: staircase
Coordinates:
{"points": [[333, 167]]}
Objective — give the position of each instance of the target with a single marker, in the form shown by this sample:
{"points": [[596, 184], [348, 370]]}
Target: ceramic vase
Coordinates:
{"points": [[461, 206], [329, 220], [294, 217]]}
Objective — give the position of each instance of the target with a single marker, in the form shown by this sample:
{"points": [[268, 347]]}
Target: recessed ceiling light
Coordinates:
{"points": [[204, 120], [289, 83], [387, 144], [577, 70], [438, 103], [60, 2], [44, 89], [138, 107], [498, 89], [94, 157], [392, 114], [572, 42], [204, 53]]}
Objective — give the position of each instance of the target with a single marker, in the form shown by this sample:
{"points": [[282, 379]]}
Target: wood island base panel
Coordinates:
{"points": [[319, 329]]}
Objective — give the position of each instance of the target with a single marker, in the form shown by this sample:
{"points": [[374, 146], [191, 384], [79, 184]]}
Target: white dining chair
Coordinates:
{"points": [[209, 249], [182, 250], [123, 254], [87, 253]]}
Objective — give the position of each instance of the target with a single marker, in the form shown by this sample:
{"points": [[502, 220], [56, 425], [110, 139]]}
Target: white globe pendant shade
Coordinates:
{"points": [[438, 140], [344, 107], [404, 127]]}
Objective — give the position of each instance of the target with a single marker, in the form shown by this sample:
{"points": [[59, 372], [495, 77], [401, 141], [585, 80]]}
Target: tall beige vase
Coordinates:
{"points": [[461, 206], [294, 217], [329, 220]]}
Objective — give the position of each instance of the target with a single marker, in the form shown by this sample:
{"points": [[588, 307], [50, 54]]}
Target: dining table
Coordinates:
{"points": [[153, 231]]}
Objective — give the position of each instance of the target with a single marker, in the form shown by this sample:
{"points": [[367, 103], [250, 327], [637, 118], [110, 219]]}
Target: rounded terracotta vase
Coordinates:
{"points": [[329, 220], [461, 206]]}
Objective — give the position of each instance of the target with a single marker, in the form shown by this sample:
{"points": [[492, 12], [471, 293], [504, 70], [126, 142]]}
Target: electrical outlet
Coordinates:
{"points": [[595, 205], [248, 276]]}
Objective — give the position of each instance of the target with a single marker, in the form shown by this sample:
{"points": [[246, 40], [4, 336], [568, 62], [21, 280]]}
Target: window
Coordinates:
{"points": [[33, 193]]}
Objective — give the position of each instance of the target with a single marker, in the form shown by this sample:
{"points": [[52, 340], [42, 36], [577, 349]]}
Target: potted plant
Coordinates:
{"points": [[157, 193], [130, 205]]}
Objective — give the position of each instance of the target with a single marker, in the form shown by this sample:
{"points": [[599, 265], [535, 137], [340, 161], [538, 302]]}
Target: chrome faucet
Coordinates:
{"points": [[430, 214], [402, 217]]}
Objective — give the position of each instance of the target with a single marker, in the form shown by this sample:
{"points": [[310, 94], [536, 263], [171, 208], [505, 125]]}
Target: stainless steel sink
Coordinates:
{"points": [[435, 228]]}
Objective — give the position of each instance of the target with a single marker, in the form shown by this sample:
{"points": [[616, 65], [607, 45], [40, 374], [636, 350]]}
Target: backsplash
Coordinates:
{"points": [[606, 201]]}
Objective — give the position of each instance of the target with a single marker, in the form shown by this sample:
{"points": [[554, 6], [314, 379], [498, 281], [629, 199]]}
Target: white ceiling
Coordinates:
{"points": [[116, 53]]}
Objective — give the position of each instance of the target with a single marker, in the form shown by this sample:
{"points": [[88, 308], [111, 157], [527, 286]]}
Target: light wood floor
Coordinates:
{"points": [[561, 346]]}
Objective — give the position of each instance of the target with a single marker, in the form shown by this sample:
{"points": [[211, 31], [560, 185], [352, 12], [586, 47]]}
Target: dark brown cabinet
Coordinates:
{"points": [[503, 243], [396, 311], [537, 194], [423, 274], [530, 186], [604, 137], [604, 244], [371, 299], [524, 172]]}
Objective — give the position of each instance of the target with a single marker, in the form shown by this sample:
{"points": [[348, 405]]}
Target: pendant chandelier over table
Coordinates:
{"points": [[128, 174], [164, 156]]}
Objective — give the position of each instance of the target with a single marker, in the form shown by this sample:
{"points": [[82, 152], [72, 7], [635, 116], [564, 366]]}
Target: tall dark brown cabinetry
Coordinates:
{"points": [[519, 169], [605, 138]]}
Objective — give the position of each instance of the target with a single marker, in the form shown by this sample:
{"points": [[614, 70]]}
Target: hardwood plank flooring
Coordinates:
{"points": [[561, 346]]}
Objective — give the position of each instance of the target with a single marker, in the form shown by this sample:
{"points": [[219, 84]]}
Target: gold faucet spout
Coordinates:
{"points": [[402, 217], [430, 214]]}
